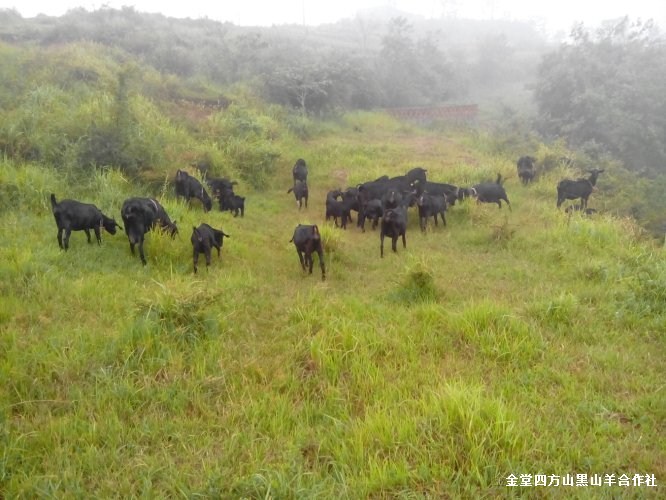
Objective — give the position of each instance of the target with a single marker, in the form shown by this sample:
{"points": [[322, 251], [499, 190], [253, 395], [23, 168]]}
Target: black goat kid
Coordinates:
{"points": [[204, 238]]}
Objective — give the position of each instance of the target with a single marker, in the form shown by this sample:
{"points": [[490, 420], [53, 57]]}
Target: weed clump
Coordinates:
{"points": [[416, 286]]}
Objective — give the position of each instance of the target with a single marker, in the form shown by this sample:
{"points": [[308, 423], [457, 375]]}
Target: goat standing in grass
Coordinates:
{"points": [[568, 189], [307, 240], [491, 192], [204, 239], [72, 215]]}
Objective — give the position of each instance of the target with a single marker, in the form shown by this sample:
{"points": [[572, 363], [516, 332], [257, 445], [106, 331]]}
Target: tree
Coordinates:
{"points": [[606, 92]]}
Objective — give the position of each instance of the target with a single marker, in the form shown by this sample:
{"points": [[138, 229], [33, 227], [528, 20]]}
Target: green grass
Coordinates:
{"points": [[507, 342]]}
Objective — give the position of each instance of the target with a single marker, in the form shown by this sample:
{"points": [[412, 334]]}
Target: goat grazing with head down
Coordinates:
{"points": [[72, 215]]}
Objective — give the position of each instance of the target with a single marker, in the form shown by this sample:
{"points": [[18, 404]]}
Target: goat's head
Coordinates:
{"points": [[206, 200], [109, 224]]}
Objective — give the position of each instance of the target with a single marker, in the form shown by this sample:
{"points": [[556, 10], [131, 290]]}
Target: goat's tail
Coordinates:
{"points": [[54, 203], [499, 179]]}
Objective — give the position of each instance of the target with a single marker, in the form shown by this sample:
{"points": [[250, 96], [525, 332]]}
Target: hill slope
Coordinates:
{"points": [[515, 342]]}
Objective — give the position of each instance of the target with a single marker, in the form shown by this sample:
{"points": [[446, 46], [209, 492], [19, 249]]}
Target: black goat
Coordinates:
{"points": [[391, 199], [394, 225], [526, 169], [431, 206], [203, 239], [491, 192], [237, 204], [300, 190], [337, 208], [219, 185], [568, 189], [300, 171], [189, 187], [72, 215], [449, 191], [373, 211], [140, 215], [416, 174], [307, 240]]}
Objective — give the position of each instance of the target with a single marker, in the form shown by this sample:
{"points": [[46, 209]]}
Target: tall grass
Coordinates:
{"points": [[504, 343]]}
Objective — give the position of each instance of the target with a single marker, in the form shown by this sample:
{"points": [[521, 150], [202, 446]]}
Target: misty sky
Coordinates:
{"points": [[553, 14]]}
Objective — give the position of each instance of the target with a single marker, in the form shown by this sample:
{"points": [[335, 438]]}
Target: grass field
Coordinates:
{"points": [[509, 342]]}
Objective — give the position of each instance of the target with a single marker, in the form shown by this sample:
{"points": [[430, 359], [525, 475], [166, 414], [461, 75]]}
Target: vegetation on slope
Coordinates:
{"points": [[507, 342]]}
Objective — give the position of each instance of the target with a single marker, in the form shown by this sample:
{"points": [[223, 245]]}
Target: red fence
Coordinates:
{"points": [[462, 113]]}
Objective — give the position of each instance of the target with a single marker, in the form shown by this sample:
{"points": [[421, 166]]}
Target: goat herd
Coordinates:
{"points": [[384, 201]]}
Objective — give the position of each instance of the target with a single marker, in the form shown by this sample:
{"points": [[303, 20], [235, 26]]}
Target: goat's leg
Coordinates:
{"points": [[310, 261], [404, 241], [143, 257], [322, 264], [98, 236], [68, 233], [300, 258], [60, 230], [87, 231], [207, 253]]}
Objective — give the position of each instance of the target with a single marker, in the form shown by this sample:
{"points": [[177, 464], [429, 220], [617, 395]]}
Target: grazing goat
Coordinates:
{"points": [[300, 171], [189, 187], [568, 189], [394, 225], [491, 192], [300, 190], [203, 239], [430, 206], [72, 215], [526, 169], [140, 215], [307, 240]]}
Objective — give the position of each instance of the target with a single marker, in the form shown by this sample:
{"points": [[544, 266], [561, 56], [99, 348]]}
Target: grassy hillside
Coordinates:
{"points": [[520, 342]]}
